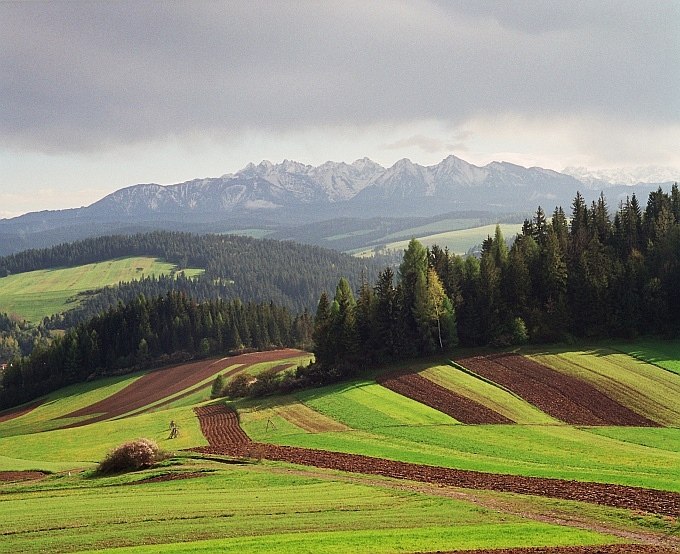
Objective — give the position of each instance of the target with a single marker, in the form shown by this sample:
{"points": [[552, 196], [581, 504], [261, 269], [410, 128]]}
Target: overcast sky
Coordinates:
{"points": [[98, 95]]}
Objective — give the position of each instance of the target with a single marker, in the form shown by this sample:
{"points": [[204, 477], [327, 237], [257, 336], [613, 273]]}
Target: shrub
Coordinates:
{"points": [[238, 387], [133, 455]]}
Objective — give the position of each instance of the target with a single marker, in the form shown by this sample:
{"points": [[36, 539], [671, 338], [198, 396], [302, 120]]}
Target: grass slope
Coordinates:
{"points": [[384, 424], [38, 294], [257, 509], [645, 388], [663, 353], [278, 507]]}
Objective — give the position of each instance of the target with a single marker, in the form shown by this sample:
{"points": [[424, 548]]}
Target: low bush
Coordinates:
{"points": [[133, 455]]}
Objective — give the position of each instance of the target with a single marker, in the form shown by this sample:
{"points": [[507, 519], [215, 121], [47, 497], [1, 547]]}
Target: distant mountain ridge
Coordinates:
{"points": [[274, 196]]}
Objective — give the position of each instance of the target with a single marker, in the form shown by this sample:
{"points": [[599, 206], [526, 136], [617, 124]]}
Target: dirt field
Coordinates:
{"points": [[10, 476], [561, 396], [16, 412], [606, 549], [431, 394], [160, 384], [220, 427]]}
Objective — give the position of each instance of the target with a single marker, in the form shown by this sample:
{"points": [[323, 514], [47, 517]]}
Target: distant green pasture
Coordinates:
{"points": [[37, 294], [457, 241]]}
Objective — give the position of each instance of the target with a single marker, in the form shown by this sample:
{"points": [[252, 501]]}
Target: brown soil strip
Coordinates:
{"points": [[162, 383], [222, 424], [16, 412], [435, 396], [11, 476], [562, 396], [605, 549], [173, 476]]}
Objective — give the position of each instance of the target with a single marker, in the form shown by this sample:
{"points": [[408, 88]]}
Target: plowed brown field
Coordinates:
{"points": [[435, 396], [605, 549], [160, 384], [619, 496], [16, 412], [10, 476], [561, 396]]}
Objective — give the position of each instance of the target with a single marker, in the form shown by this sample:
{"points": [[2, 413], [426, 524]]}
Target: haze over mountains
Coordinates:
{"points": [[276, 196]]}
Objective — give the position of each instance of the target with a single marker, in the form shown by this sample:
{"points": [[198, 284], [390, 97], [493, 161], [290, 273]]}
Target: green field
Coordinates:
{"points": [[263, 508], [35, 295], [665, 354], [237, 506], [457, 241], [387, 425]]}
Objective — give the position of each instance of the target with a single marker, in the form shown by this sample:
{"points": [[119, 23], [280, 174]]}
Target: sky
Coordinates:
{"points": [[99, 95]]}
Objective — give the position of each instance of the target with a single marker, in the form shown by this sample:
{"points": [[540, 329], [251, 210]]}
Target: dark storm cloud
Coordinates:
{"points": [[80, 75]]}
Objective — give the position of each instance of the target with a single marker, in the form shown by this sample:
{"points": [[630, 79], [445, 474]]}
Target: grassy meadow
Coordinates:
{"points": [[231, 505], [37, 294]]}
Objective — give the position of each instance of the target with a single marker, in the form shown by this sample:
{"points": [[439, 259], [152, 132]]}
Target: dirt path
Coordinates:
{"points": [[222, 423], [435, 396], [562, 396], [165, 382]]}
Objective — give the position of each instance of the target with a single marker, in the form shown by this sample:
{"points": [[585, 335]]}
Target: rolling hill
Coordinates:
{"points": [[400, 474]]}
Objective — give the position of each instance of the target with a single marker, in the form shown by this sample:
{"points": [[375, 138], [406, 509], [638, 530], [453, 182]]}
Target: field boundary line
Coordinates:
{"points": [[471, 373]]}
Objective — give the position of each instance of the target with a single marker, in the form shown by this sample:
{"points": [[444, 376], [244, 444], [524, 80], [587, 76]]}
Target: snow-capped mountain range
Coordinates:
{"points": [[268, 186], [270, 195]]}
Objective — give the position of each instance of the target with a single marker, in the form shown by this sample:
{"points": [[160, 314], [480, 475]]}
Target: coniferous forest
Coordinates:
{"points": [[586, 275], [151, 332], [257, 270]]}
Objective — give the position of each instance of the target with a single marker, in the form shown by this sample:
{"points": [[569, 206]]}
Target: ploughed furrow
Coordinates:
{"points": [[435, 396], [163, 383], [220, 426], [562, 396], [599, 549], [238, 444]]}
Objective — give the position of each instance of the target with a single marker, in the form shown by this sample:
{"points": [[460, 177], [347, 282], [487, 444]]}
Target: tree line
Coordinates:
{"points": [[148, 332], [590, 275], [259, 270]]}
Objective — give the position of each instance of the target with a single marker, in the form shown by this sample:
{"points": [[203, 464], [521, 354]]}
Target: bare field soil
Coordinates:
{"points": [[605, 549], [162, 383], [19, 411], [221, 428], [435, 396], [10, 476], [559, 395]]}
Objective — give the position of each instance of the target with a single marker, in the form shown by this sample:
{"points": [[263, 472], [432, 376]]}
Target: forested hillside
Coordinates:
{"points": [[587, 276], [149, 332], [250, 269]]}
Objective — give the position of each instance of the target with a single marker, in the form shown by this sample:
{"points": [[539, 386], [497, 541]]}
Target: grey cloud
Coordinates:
{"points": [[79, 75]]}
